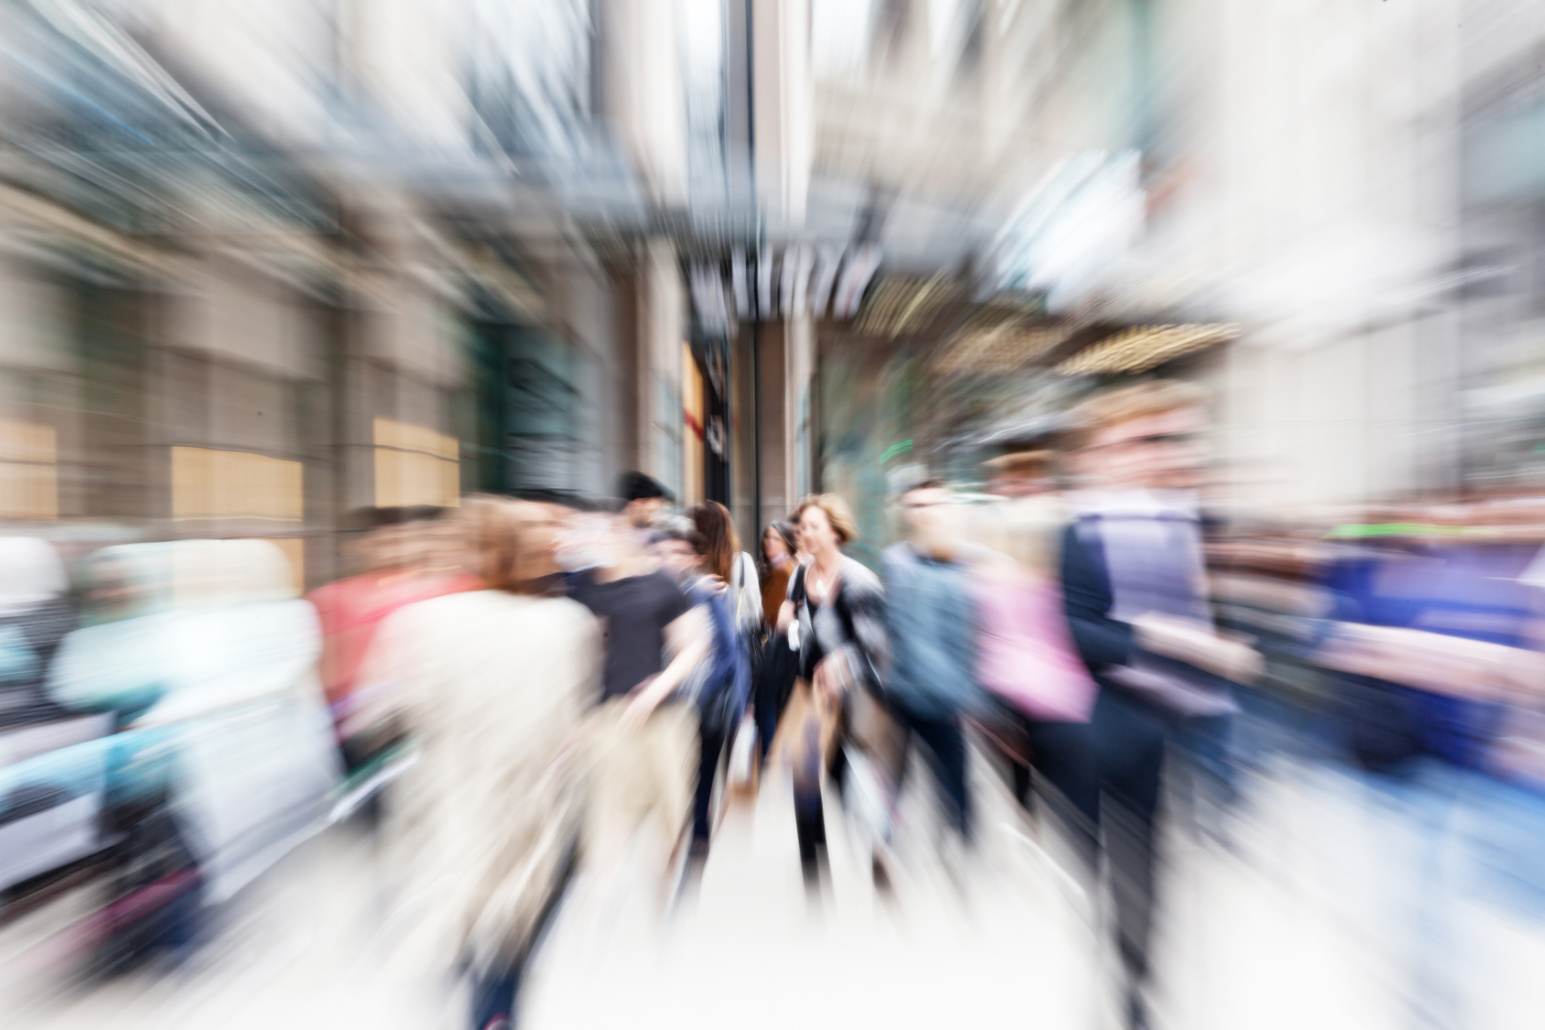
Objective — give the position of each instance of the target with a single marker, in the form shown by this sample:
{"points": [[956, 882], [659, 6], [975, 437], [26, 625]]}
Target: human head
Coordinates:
{"points": [[421, 538], [375, 544], [778, 540], [127, 580], [1145, 436], [643, 498], [923, 511], [1019, 474], [716, 539], [394, 539], [511, 541], [825, 524], [675, 545]]}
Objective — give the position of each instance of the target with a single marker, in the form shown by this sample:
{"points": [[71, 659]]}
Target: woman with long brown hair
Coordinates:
{"points": [[723, 558], [728, 584], [777, 667]]}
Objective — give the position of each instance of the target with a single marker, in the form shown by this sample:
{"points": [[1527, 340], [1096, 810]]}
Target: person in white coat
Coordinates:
{"points": [[492, 686]]}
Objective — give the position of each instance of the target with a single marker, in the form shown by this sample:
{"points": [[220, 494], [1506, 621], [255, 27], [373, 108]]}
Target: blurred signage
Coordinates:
{"points": [[1143, 347], [1070, 232], [821, 280]]}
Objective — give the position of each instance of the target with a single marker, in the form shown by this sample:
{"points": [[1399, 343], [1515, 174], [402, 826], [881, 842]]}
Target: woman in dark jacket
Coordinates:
{"points": [[778, 664], [836, 611]]}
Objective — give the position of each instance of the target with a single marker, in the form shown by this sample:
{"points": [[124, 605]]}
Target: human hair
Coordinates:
{"points": [[498, 529], [636, 486], [785, 531], [837, 513], [677, 528], [1123, 404], [364, 520], [925, 483], [1020, 463], [423, 513], [716, 539]]}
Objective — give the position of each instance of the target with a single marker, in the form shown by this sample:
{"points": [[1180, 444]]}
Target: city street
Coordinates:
{"points": [[1305, 921]]}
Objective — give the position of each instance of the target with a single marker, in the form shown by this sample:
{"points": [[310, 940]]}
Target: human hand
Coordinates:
{"points": [[827, 681], [640, 705], [785, 616], [1197, 644]]}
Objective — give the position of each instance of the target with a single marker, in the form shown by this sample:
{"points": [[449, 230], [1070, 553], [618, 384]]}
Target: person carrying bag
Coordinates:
{"points": [[835, 618]]}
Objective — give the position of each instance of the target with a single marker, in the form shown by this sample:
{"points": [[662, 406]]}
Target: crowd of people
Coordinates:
{"points": [[524, 691], [586, 696]]}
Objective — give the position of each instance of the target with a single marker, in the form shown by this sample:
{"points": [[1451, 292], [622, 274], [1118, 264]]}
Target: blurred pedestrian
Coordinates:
{"points": [[720, 685], [1027, 658], [933, 628], [644, 499], [1133, 589], [644, 739], [401, 556], [778, 666], [34, 618], [494, 684], [835, 615]]}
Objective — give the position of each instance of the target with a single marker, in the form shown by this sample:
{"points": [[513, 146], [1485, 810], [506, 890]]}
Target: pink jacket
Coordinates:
{"points": [[1026, 654]]}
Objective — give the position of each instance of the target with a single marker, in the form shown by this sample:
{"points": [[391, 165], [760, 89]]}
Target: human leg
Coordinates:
{"points": [[1063, 755], [493, 999], [710, 747], [1129, 739], [946, 743]]}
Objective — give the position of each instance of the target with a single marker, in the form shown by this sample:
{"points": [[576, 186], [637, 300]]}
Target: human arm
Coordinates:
{"points": [[1199, 645], [866, 654], [688, 638], [1087, 601]]}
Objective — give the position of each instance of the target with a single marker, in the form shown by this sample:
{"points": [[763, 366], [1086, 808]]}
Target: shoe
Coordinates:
{"points": [[1137, 1012], [882, 877]]}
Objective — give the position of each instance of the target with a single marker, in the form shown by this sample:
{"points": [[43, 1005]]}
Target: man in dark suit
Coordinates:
{"points": [[1134, 591]]}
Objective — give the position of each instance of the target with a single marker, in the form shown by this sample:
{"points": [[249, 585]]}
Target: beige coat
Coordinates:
{"points": [[493, 688]]}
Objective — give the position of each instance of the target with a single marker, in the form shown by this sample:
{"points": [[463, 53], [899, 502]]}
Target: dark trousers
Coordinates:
{"points": [[774, 683], [945, 740], [494, 992], [493, 1000], [710, 747], [1063, 756], [1129, 741], [810, 827]]}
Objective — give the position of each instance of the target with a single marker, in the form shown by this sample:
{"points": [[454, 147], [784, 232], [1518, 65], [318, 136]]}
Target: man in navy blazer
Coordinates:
{"points": [[1134, 591]]}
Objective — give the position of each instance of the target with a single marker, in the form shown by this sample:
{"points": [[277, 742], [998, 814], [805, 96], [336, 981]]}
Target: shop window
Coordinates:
{"points": [[416, 466], [29, 471], [215, 484]]}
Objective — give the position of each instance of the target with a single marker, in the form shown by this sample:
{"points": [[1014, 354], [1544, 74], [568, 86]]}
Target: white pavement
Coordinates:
{"points": [[1313, 920]]}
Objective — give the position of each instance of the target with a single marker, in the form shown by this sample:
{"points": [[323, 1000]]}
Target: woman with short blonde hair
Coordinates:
{"points": [[835, 618], [837, 512]]}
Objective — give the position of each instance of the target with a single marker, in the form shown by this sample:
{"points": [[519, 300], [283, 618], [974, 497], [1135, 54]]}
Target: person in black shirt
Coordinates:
{"points": [[645, 745], [643, 499], [638, 611]]}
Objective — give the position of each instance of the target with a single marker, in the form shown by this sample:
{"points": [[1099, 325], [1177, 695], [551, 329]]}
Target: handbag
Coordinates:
{"points": [[740, 776], [723, 699]]}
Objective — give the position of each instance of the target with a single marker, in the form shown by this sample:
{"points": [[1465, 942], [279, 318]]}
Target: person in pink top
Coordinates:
{"points": [[1026, 656], [404, 560]]}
